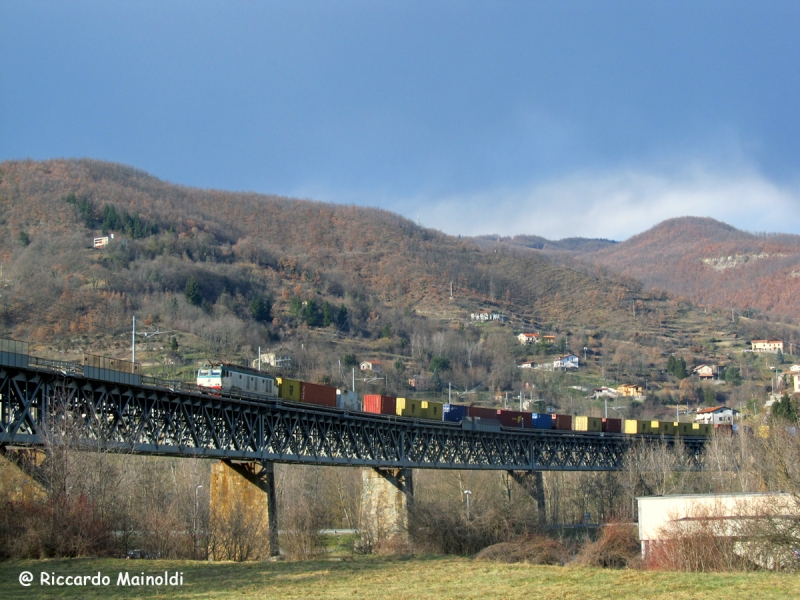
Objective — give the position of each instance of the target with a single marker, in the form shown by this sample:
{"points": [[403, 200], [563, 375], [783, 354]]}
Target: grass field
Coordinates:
{"points": [[384, 578]]}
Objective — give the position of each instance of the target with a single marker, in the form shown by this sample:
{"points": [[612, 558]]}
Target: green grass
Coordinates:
{"points": [[377, 577]]}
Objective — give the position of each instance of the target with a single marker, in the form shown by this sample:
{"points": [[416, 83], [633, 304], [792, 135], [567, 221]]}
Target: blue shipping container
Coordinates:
{"points": [[454, 412], [541, 421]]}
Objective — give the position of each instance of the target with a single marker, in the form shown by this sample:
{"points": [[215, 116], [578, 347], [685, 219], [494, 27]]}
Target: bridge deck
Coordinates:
{"points": [[161, 418]]}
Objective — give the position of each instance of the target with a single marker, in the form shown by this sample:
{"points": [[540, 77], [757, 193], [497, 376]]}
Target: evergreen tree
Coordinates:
{"points": [[784, 410], [328, 316], [261, 309], [439, 363], [732, 376], [192, 292], [680, 368], [399, 366], [709, 397]]}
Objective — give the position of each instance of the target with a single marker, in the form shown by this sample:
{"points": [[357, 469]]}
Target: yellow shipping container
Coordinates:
{"points": [[587, 424], [432, 410], [633, 426], [288, 389], [406, 407]]}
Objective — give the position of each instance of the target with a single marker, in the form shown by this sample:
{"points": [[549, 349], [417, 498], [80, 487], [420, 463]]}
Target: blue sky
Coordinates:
{"points": [[597, 119]]}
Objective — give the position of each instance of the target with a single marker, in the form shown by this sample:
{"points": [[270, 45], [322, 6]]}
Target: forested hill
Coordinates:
{"points": [[200, 261], [713, 263]]}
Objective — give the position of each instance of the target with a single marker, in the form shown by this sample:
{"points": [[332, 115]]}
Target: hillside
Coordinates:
{"points": [[704, 260], [713, 263], [342, 274], [220, 275]]}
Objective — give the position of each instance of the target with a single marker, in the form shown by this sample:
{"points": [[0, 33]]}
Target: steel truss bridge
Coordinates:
{"points": [[155, 417]]}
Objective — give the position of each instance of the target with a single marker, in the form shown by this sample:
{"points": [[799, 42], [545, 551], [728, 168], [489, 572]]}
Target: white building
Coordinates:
{"points": [[374, 366], [528, 338], [716, 415], [274, 359], [719, 515], [485, 315], [773, 346], [568, 361]]}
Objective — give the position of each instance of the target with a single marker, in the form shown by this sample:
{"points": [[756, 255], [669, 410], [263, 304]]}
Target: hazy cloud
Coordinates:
{"points": [[617, 205]]}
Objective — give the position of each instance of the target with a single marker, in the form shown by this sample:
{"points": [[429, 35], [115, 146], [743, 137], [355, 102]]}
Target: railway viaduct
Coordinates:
{"points": [[118, 409]]}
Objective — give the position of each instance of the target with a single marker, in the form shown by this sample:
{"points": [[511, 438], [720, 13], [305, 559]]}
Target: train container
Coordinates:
{"points": [[482, 412], [347, 400], [381, 405], [581, 423], [612, 425], [514, 418], [705, 429], [479, 424], [541, 421], [667, 427], [686, 428], [632, 426], [562, 422], [313, 393], [288, 389], [454, 412], [432, 410], [408, 407]]}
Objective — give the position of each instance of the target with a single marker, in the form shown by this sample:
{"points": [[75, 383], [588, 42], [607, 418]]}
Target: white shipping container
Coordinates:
{"points": [[347, 400]]}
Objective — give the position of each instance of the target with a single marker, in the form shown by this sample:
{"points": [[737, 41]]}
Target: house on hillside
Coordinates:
{"points": [[773, 346], [706, 372], [797, 383], [372, 366], [605, 392], [485, 315], [274, 359], [549, 339], [527, 365], [716, 415], [528, 338], [566, 362], [419, 383], [630, 389]]}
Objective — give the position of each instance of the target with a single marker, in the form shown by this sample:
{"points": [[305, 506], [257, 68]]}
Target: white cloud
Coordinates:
{"points": [[618, 205]]}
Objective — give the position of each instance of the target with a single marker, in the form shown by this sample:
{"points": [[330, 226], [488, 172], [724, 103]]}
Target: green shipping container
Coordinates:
{"points": [[580, 423], [667, 427], [288, 389]]}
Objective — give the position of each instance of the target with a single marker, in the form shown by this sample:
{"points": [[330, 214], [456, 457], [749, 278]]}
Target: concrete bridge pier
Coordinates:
{"points": [[532, 482], [243, 501], [21, 477], [386, 496]]}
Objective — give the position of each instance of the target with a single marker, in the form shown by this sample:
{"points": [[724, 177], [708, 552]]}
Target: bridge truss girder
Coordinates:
{"points": [[157, 420]]}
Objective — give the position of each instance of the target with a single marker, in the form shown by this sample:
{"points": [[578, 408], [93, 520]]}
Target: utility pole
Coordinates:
{"points": [[133, 340]]}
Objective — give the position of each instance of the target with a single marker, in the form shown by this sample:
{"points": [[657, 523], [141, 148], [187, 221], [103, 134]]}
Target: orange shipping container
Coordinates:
{"points": [[381, 405]]}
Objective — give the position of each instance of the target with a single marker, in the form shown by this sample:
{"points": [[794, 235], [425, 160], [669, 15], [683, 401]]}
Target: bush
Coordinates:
{"points": [[616, 548], [534, 550]]}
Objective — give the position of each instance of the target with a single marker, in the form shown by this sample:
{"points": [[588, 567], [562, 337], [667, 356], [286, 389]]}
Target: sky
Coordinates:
{"points": [[559, 119]]}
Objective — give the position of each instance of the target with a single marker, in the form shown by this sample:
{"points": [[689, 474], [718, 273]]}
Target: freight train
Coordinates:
{"points": [[229, 377]]}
